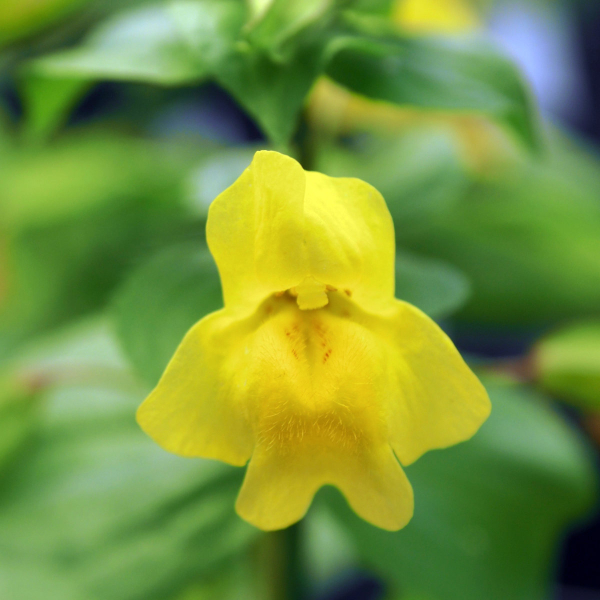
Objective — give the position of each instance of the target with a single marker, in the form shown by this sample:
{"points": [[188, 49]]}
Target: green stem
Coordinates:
{"points": [[309, 141], [283, 559], [294, 568]]}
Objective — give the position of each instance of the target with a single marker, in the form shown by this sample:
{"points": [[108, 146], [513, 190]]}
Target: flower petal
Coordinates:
{"points": [[255, 231], [280, 484], [350, 238], [436, 16], [278, 226], [196, 409], [438, 400]]}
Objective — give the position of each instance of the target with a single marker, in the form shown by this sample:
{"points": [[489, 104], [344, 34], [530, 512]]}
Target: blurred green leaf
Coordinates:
{"points": [[435, 287], [270, 88], [280, 20], [18, 412], [18, 580], [84, 351], [529, 242], [182, 43], [78, 214], [47, 103], [177, 43], [272, 92], [209, 27], [143, 44], [97, 510], [483, 526], [161, 301], [19, 18], [42, 186], [457, 73], [567, 364], [129, 520]]}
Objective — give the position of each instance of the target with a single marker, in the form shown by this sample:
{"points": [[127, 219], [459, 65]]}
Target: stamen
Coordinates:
{"points": [[311, 294]]}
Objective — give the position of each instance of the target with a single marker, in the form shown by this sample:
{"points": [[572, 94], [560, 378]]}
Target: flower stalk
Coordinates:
{"points": [[283, 564]]}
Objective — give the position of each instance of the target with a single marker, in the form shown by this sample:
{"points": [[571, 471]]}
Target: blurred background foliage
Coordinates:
{"points": [[121, 121]]}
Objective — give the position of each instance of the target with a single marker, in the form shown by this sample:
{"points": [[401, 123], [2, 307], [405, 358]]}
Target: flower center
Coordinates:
{"points": [[313, 376]]}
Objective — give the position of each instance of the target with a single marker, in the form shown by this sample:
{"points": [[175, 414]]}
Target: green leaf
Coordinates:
{"points": [[209, 27], [18, 580], [458, 74], [272, 92], [95, 509], [280, 20], [131, 520], [143, 45], [178, 43], [483, 526], [529, 243], [84, 350], [79, 213], [18, 412], [182, 43], [46, 185], [19, 19], [271, 88], [160, 301], [567, 364], [435, 287], [47, 103]]}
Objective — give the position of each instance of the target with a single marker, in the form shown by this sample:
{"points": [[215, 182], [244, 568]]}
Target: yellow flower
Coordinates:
{"points": [[313, 371], [435, 16]]}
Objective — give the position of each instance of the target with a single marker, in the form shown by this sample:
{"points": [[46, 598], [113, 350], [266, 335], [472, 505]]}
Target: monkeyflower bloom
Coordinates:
{"points": [[435, 16], [312, 371]]}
